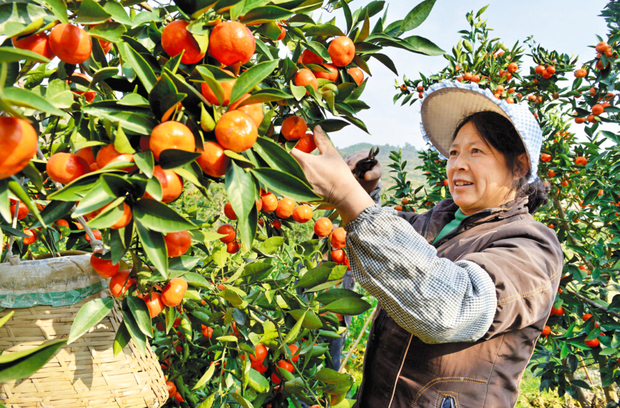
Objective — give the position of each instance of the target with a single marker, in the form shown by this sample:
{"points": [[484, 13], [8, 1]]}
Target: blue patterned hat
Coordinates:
{"points": [[447, 103]]}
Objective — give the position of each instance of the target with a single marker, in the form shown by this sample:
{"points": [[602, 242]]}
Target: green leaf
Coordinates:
{"points": [[421, 45], [271, 244], [95, 199], [121, 339], [228, 339], [285, 184], [348, 306], [6, 317], [311, 321], [138, 337], [292, 335], [22, 364], [330, 376], [103, 74], [258, 382], [118, 13], [171, 158], [88, 316], [110, 215], [28, 99], [416, 16], [141, 313], [18, 190], [205, 377], [250, 78], [52, 212], [180, 265], [108, 31], [58, 8], [316, 276], [335, 294], [256, 268], [277, 158], [10, 54], [266, 95], [265, 14], [159, 217], [197, 280], [385, 60], [5, 205], [141, 67], [91, 12], [145, 162], [155, 248], [130, 120], [327, 30], [241, 191], [208, 402]]}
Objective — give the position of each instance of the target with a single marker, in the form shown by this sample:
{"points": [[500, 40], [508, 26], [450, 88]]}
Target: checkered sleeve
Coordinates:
{"points": [[437, 300], [376, 194]]}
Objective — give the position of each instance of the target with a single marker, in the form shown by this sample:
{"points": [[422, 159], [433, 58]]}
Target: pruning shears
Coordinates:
{"points": [[366, 164]]}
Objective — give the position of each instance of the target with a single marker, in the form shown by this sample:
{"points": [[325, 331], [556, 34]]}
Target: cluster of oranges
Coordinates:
{"points": [[545, 72]]}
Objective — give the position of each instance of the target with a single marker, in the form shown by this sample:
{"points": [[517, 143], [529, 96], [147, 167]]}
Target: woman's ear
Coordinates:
{"points": [[523, 166]]}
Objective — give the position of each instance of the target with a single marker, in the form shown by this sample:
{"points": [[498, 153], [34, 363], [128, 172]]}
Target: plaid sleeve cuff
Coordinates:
{"points": [[437, 300]]}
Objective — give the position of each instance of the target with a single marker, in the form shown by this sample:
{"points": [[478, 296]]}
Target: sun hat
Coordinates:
{"points": [[447, 103]]}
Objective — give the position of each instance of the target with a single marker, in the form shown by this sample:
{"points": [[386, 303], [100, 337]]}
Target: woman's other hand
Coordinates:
{"points": [[331, 178], [371, 177]]}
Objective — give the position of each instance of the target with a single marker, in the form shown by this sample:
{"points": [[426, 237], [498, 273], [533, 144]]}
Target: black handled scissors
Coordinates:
{"points": [[366, 164]]}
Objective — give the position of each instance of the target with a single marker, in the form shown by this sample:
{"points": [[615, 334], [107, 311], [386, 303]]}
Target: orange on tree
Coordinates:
{"points": [[70, 43], [86, 153], [580, 160], [592, 343], [269, 202], [323, 227], [89, 95], [261, 353], [540, 69], [342, 51], [513, 67], [545, 157], [103, 267], [597, 109], [581, 73], [125, 218], [172, 388], [557, 311], [229, 212], [546, 331], [109, 155], [96, 234], [306, 143], [31, 238], [586, 316], [294, 348], [231, 42], [177, 243], [171, 184], [229, 230], [275, 378], [175, 38], [282, 33], [22, 210], [212, 159], [305, 77], [173, 293], [254, 111], [332, 75], [285, 207], [120, 283], [65, 167], [602, 47], [227, 87], [232, 247], [38, 43], [154, 304], [357, 75], [302, 213], [260, 367], [293, 128], [339, 238], [171, 135], [236, 131], [19, 144], [308, 57], [207, 332], [277, 224]]}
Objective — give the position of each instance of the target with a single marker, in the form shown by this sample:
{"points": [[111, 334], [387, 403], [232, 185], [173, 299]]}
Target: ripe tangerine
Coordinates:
{"points": [[332, 75], [104, 267], [65, 167], [306, 143], [285, 207], [305, 77], [120, 283], [357, 75], [175, 38], [269, 202], [177, 243], [171, 135], [236, 131], [37, 43], [212, 159], [294, 127], [323, 227], [70, 43], [19, 144], [302, 214], [171, 184], [231, 42], [342, 51], [229, 212], [174, 291]]}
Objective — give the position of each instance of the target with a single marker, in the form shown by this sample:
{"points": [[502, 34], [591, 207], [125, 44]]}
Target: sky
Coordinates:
{"points": [[568, 26]]}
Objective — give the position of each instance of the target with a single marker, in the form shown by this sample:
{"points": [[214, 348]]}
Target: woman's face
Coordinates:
{"points": [[478, 177]]}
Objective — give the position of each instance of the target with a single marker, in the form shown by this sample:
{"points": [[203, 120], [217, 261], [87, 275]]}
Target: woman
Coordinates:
{"points": [[466, 292]]}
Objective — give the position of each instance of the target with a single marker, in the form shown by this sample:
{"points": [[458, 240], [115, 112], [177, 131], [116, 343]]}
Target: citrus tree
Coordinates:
{"points": [[120, 121], [579, 164]]}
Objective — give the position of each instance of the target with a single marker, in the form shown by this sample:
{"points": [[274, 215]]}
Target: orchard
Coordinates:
{"points": [[124, 123], [576, 104]]}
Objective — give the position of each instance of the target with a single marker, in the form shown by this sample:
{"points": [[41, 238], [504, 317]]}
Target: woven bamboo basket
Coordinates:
{"points": [[82, 374]]}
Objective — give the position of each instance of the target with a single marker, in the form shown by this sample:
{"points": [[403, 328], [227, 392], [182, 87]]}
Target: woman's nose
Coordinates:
{"points": [[459, 163]]}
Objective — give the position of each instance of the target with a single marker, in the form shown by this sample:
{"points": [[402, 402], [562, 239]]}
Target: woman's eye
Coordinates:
{"points": [[452, 153], [474, 150]]}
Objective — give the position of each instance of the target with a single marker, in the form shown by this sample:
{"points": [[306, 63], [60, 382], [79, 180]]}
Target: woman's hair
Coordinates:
{"points": [[500, 133]]}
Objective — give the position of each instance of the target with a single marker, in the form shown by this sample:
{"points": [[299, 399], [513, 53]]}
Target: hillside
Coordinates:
{"points": [[409, 152]]}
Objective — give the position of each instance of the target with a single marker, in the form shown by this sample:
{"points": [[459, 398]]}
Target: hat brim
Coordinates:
{"points": [[444, 109]]}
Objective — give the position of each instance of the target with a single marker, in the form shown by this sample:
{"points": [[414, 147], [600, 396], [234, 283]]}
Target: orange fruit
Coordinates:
{"points": [[229, 230], [332, 75], [277, 224], [172, 389], [227, 87], [269, 202], [259, 205], [357, 75], [175, 38], [171, 135], [19, 144], [212, 159], [207, 332], [31, 238], [103, 267], [261, 353], [177, 243], [172, 294], [302, 214], [236, 131], [89, 95], [229, 212], [96, 234], [338, 256], [308, 57], [65, 167], [514, 67], [254, 111], [282, 33], [339, 238], [294, 128], [305, 77], [306, 143], [342, 51], [171, 184], [597, 109], [70, 43], [109, 155], [294, 348], [120, 283], [37, 43], [22, 211], [232, 247], [231, 42], [285, 207], [602, 47], [154, 303], [545, 157], [125, 218], [87, 154], [580, 73], [323, 227]]}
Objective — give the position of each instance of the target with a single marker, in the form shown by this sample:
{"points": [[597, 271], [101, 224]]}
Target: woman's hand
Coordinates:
{"points": [[331, 178], [371, 177]]}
